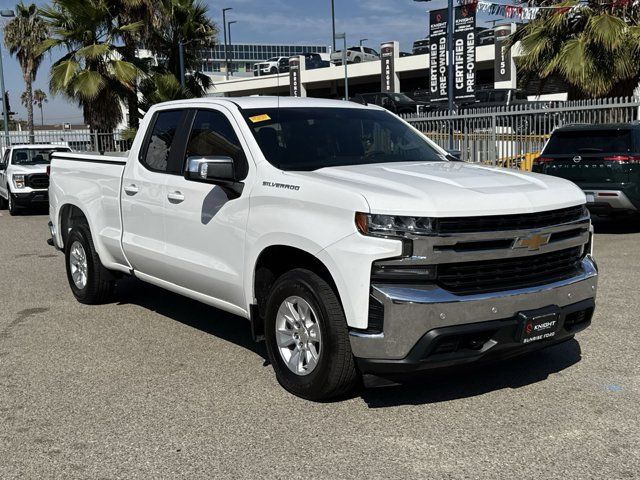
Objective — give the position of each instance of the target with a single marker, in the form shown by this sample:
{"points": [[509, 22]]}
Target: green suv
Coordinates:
{"points": [[603, 160]]}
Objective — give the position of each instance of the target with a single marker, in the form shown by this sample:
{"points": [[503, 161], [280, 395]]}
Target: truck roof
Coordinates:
{"points": [[270, 102], [39, 145]]}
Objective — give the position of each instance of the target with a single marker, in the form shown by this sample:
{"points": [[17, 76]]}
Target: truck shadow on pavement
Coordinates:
{"points": [[476, 380], [420, 388], [189, 312]]}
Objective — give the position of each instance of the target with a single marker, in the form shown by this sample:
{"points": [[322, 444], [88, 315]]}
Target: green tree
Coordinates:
{"points": [[39, 98], [186, 22], [150, 15], [594, 47], [92, 72], [23, 36]]}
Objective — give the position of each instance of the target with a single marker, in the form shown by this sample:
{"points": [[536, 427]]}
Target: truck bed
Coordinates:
{"points": [[92, 182]]}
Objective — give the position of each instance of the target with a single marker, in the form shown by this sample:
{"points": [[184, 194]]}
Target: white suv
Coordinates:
{"points": [[355, 55], [268, 67]]}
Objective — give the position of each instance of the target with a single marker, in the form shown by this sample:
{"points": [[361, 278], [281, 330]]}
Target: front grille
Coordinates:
{"points": [[494, 223], [496, 275], [37, 181]]}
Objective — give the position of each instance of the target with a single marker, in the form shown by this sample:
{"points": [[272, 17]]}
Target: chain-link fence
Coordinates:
{"points": [[513, 136], [77, 140]]}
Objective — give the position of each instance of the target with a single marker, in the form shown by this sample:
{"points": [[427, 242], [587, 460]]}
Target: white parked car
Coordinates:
{"points": [[348, 239], [355, 55], [23, 175], [268, 67]]}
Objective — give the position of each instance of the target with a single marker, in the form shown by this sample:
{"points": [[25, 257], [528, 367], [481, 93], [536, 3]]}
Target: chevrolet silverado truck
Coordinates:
{"points": [[344, 235], [23, 175]]}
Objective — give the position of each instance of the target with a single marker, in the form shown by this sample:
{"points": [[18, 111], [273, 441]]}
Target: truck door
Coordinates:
{"points": [[205, 223], [4, 164], [143, 193]]}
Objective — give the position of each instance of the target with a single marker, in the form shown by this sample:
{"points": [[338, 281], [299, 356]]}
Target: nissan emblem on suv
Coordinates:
{"points": [[577, 159]]}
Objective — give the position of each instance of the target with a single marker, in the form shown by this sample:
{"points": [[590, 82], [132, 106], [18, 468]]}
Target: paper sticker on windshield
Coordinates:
{"points": [[260, 118]]}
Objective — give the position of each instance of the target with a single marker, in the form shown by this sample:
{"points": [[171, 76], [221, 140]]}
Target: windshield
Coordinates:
{"points": [[400, 98], [589, 141], [34, 156], [313, 138]]}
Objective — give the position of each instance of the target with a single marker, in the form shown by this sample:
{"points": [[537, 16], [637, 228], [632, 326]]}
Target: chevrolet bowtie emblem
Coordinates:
{"points": [[532, 242]]}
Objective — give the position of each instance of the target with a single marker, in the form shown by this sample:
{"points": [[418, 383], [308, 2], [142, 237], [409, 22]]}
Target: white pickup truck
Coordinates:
{"points": [[23, 175], [346, 237]]}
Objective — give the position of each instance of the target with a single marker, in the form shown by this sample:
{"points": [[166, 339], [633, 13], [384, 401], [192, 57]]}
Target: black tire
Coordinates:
{"points": [[100, 282], [11, 204], [273, 70], [3, 202], [335, 374], [357, 60]]}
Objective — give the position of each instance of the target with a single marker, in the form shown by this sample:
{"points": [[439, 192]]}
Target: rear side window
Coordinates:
{"points": [[157, 148], [590, 141], [212, 135]]}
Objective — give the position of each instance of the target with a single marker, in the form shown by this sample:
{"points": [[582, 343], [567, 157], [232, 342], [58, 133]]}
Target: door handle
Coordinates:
{"points": [[175, 197], [131, 189]]}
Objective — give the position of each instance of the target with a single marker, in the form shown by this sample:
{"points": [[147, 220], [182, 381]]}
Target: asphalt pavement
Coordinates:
{"points": [[158, 386]]}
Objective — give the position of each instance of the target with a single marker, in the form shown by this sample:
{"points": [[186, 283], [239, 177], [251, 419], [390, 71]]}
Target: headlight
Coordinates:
{"points": [[393, 225], [18, 181]]}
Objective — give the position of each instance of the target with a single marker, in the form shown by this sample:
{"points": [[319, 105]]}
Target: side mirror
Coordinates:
{"points": [[3, 166], [210, 170], [455, 155]]}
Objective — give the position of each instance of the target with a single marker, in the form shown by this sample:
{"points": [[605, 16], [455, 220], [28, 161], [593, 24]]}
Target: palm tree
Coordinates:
{"points": [[23, 36], [593, 47], [149, 13], [93, 71], [40, 98], [186, 22]]}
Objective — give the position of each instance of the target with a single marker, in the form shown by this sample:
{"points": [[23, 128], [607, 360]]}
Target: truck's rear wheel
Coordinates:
{"points": [[90, 282], [307, 337]]}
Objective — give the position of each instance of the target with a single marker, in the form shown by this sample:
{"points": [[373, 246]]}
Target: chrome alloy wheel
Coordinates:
{"points": [[298, 335], [78, 264]]}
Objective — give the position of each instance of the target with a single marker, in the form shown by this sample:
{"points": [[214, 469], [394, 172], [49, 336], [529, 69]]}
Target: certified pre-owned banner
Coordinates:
{"points": [[387, 54], [294, 76], [438, 55], [502, 69], [464, 53]]}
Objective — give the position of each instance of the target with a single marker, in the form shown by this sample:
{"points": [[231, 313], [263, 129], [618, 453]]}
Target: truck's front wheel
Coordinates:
{"points": [[90, 282], [307, 337]]}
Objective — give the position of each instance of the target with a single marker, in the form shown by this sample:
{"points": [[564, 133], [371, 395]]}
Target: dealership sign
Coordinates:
{"points": [[388, 56], [438, 55], [464, 53], [502, 63], [294, 77]]}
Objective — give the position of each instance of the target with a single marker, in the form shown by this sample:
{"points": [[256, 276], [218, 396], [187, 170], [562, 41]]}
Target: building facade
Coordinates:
{"points": [[242, 56]]}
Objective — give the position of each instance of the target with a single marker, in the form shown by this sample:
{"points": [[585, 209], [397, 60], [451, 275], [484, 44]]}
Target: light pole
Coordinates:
{"points": [[226, 53], [5, 113], [333, 24], [231, 43], [362, 40], [343, 37]]}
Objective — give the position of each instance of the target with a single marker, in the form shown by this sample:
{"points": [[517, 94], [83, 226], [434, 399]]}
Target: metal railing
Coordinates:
{"points": [[78, 140], [513, 136]]}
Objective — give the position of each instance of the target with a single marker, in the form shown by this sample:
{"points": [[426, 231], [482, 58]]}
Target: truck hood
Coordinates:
{"points": [[28, 169], [445, 189]]}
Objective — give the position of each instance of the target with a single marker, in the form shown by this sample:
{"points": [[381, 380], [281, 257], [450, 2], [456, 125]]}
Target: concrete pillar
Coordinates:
{"points": [[390, 80], [504, 66], [297, 87]]}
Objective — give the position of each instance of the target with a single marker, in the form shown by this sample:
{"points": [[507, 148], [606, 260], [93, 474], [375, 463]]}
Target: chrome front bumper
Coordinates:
{"points": [[412, 311]]}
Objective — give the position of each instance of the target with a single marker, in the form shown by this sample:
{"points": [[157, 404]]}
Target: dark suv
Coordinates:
{"points": [[311, 62], [394, 102], [603, 160]]}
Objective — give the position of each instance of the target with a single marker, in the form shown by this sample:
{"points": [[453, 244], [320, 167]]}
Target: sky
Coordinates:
{"points": [[262, 21]]}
